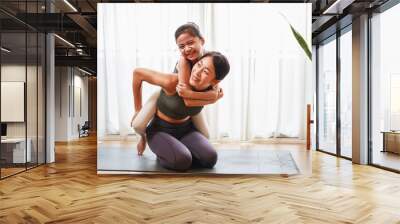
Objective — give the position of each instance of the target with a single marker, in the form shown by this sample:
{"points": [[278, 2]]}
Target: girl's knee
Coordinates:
{"points": [[139, 129]]}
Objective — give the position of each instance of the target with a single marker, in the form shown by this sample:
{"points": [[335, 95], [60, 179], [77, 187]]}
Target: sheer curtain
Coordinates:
{"points": [[265, 92]]}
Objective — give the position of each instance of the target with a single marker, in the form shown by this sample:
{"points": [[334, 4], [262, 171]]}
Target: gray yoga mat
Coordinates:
{"points": [[124, 160]]}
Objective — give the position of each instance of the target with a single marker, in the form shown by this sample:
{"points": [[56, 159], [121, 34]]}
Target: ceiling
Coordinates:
{"points": [[76, 22]]}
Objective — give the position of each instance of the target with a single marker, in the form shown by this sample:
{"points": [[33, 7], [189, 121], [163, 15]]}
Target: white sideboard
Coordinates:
{"points": [[18, 149]]}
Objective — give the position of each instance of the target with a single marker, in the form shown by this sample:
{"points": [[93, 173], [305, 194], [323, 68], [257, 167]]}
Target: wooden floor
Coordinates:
{"points": [[8, 171], [332, 190], [5, 172], [387, 159]]}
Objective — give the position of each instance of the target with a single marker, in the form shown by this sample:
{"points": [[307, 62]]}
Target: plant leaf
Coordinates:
{"points": [[301, 41]]}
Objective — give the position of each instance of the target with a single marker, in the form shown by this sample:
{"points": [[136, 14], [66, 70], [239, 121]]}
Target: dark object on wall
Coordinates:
{"points": [[309, 122], [84, 130], [3, 129]]}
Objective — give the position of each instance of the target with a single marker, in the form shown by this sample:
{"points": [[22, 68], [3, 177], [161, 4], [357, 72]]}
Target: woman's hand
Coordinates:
{"points": [[141, 146], [220, 94], [217, 91], [183, 90]]}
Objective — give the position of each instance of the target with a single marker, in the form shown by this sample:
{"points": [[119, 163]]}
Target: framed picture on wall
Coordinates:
{"points": [[12, 101]]}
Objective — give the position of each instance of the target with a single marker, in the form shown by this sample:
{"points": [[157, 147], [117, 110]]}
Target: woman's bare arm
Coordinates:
{"points": [[196, 103], [188, 93], [166, 81]]}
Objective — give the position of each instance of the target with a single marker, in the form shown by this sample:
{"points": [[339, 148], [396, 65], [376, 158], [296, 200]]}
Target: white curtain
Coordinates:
{"points": [[265, 93]]}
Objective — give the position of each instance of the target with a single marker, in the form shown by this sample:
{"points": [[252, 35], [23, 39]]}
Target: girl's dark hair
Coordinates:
{"points": [[191, 28], [220, 62]]}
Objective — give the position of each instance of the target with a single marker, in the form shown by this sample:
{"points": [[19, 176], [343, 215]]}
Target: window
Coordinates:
{"points": [[385, 89], [327, 96], [346, 93]]}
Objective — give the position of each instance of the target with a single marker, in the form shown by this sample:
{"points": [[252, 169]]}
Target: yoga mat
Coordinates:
{"points": [[124, 160]]}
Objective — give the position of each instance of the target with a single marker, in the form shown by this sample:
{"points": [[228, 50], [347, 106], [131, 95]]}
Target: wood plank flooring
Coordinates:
{"points": [[331, 190]]}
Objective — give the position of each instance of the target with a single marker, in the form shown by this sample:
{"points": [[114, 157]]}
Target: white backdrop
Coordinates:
{"points": [[266, 91]]}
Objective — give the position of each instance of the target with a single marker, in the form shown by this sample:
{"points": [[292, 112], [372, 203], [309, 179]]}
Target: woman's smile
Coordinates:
{"points": [[195, 78]]}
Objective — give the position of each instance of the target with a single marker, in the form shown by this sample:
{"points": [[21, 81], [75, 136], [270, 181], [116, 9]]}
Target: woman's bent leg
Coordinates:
{"points": [[170, 151], [200, 148]]}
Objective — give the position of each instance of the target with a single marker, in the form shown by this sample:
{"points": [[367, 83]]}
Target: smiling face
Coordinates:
{"points": [[203, 74], [190, 46]]}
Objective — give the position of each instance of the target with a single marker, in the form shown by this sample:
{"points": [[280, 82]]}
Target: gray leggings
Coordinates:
{"points": [[179, 146]]}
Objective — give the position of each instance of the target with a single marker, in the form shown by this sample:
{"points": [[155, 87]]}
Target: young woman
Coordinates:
{"points": [[190, 43], [171, 134]]}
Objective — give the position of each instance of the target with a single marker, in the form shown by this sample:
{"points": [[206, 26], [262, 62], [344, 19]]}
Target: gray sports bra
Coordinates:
{"points": [[174, 107]]}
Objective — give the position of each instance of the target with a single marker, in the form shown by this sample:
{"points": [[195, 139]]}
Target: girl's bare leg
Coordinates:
{"points": [[200, 123], [142, 118]]}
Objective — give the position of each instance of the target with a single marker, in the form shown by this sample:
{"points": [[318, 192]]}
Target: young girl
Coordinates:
{"points": [[190, 43]]}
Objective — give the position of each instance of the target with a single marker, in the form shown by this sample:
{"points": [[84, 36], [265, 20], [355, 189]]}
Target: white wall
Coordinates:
{"points": [[62, 81], [12, 73], [33, 126], [79, 117], [70, 83]]}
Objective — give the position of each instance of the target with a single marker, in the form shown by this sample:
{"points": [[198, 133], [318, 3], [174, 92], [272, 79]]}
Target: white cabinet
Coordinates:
{"points": [[17, 148]]}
